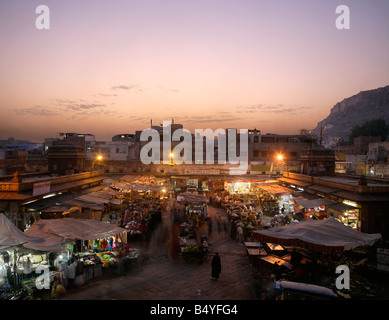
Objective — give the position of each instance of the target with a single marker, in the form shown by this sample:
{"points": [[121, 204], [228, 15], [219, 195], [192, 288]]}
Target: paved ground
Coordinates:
{"points": [[164, 275]]}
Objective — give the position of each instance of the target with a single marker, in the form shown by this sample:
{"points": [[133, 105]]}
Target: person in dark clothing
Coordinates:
{"points": [[216, 267]]}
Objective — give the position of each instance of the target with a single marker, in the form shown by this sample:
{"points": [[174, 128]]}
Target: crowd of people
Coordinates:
{"points": [[139, 216]]}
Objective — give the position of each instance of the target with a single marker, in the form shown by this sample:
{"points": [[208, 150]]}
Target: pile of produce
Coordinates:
{"points": [[191, 248]]}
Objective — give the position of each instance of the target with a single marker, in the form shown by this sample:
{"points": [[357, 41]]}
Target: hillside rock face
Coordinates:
{"points": [[364, 106]]}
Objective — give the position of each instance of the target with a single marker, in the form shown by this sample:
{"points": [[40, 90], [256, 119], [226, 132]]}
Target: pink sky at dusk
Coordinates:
{"points": [[109, 67]]}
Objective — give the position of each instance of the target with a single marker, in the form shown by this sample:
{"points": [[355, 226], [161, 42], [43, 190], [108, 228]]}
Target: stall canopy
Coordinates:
{"points": [[81, 229], [328, 235], [340, 207], [94, 200], [13, 238], [191, 197], [138, 187], [276, 190], [312, 203]]}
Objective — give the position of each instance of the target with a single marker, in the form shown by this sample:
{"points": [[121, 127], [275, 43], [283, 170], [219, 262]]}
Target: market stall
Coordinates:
{"points": [[243, 216], [276, 199], [142, 186], [193, 205], [189, 249], [255, 249], [347, 214], [329, 236], [92, 243], [20, 256], [315, 208], [141, 216], [246, 185]]}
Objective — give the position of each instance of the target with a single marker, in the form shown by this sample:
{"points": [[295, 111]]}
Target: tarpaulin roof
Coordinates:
{"points": [[71, 228], [140, 187], [276, 190], [312, 203], [340, 207], [307, 287], [12, 238], [295, 182], [328, 235], [191, 197], [83, 204]]}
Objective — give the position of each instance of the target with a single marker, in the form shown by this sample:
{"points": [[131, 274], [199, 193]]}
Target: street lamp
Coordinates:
{"points": [[281, 158], [98, 158], [171, 158]]}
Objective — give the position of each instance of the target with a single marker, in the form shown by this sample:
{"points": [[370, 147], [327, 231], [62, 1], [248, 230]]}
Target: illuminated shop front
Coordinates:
{"points": [[245, 186], [315, 208], [346, 212]]}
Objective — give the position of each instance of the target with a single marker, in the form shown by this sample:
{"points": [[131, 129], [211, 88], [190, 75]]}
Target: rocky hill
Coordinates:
{"points": [[364, 106]]}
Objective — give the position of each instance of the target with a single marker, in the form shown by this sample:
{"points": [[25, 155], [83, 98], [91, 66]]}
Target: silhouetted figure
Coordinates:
{"points": [[216, 266]]}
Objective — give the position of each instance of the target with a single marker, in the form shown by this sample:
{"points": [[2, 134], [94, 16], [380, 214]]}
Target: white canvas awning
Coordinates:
{"points": [[191, 197], [328, 235], [82, 229], [13, 238], [276, 190]]}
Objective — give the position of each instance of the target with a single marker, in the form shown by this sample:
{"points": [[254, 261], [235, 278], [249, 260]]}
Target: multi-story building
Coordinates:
{"points": [[21, 156], [379, 151], [360, 146], [266, 147], [110, 150], [66, 158]]}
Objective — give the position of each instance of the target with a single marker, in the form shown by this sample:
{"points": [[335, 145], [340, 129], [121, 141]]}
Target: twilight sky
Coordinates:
{"points": [[107, 67]]}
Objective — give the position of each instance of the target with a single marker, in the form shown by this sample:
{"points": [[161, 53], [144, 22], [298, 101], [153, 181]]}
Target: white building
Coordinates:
{"points": [[379, 151], [110, 150]]}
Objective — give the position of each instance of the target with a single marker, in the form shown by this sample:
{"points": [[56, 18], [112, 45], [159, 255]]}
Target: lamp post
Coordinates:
{"points": [[281, 159], [98, 158], [171, 158]]}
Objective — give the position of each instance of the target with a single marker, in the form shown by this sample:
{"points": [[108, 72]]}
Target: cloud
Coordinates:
{"points": [[123, 87], [84, 106], [209, 119], [37, 111], [78, 105], [107, 95], [275, 109]]}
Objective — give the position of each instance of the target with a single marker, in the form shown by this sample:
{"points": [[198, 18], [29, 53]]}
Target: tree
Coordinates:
{"points": [[375, 128]]}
